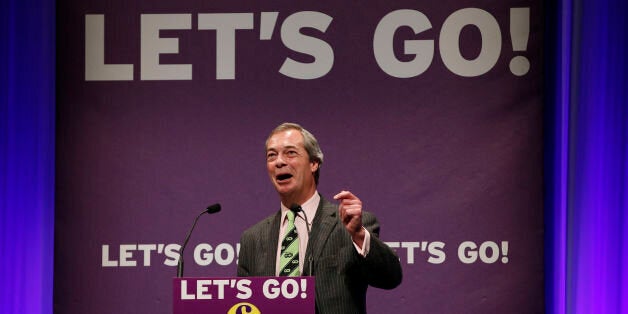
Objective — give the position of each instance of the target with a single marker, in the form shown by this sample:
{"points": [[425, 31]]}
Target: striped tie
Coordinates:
{"points": [[289, 260]]}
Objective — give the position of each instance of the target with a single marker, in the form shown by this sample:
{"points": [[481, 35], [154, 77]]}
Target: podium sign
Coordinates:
{"points": [[239, 295]]}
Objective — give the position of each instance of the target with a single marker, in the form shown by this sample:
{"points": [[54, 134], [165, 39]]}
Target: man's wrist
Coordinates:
{"points": [[363, 246], [358, 237]]}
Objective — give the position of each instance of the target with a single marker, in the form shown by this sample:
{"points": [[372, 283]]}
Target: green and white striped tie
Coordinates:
{"points": [[289, 260]]}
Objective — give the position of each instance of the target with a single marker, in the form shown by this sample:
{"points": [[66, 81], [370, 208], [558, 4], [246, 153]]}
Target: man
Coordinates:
{"points": [[342, 249]]}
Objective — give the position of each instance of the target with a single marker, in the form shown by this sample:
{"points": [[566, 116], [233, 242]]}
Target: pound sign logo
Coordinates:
{"points": [[244, 308]]}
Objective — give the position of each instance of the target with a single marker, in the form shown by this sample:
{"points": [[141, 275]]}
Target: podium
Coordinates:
{"points": [[243, 295]]}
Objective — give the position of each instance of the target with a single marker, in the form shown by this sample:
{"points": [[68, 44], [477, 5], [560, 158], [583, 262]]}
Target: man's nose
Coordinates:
{"points": [[279, 162]]}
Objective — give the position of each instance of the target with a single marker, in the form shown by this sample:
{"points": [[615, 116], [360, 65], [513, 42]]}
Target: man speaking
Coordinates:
{"points": [[309, 236]]}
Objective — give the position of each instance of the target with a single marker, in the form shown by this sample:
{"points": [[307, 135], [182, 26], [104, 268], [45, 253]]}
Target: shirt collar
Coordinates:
{"points": [[309, 207]]}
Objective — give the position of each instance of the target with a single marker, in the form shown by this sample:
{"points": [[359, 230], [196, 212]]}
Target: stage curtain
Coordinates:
{"points": [[586, 145], [27, 46]]}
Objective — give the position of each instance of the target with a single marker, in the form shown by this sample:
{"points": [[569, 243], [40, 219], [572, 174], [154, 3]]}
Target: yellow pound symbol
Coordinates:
{"points": [[244, 308]]}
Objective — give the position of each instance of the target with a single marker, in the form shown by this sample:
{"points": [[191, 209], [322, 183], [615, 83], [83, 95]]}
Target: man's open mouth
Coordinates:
{"points": [[285, 176]]}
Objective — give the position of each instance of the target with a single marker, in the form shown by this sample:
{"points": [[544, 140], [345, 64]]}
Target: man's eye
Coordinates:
{"points": [[271, 156], [291, 153]]}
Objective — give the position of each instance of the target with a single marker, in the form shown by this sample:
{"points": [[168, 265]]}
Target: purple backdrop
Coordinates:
{"points": [[445, 150]]}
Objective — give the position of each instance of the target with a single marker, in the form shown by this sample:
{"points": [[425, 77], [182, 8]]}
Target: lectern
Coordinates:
{"points": [[243, 295]]}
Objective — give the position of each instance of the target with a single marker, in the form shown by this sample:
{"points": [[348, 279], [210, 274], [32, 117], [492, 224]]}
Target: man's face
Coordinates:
{"points": [[289, 167]]}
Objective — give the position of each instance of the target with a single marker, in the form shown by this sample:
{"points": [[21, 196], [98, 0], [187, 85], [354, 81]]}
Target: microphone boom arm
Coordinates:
{"points": [[209, 210]]}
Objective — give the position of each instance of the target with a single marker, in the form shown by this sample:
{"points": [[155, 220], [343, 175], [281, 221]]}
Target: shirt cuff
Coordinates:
{"points": [[366, 245]]}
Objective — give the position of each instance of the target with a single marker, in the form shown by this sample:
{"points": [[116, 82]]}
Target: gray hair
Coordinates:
{"points": [[309, 142]]}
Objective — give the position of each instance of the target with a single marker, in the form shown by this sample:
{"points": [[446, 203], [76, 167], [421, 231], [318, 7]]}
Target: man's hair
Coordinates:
{"points": [[309, 142]]}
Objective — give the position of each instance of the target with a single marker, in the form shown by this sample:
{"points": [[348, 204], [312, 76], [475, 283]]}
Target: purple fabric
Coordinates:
{"points": [[450, 164]]}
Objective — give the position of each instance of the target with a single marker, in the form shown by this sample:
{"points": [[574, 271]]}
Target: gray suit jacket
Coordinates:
{"points": [[342, 275]]}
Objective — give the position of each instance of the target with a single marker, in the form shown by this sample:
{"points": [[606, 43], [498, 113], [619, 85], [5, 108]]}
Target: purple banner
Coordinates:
{"points": [[243, 295], [431, 113]]}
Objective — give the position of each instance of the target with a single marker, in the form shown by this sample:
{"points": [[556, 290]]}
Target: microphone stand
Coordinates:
{"points": [[209, 210]]}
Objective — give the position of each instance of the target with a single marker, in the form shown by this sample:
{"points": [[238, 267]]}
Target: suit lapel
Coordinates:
{"points": [[323, 224], [269, 245]]}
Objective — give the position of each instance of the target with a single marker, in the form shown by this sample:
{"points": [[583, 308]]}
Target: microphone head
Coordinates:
{"points": [[295, 208], [211, 209]]}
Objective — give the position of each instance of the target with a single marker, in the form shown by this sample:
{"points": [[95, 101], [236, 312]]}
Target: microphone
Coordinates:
{"points": [[211, 209], [296, 209]]}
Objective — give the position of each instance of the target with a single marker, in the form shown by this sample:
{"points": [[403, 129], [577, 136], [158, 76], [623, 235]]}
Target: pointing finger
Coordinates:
{"points": [[344, 195]]}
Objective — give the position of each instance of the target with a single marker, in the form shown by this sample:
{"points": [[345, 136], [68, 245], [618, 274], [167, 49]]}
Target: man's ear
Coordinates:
{"points": [[314, 166]]}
